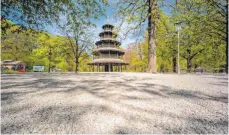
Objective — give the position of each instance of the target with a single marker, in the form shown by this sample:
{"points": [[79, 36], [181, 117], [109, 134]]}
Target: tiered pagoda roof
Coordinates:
{"points": [[108, 48]]}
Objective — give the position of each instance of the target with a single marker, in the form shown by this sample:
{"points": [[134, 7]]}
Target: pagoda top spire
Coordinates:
{"points": [[107, 24], [108, 20]]}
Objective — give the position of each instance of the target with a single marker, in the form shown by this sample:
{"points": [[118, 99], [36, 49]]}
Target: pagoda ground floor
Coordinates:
{"points": [[114, 103], [108, 67]]}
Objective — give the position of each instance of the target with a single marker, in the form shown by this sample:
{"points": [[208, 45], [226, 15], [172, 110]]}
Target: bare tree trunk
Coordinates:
{"points": [[16, 53], [49, 66], [174, 63], [77, 56], [189, 64], [49, 57], [227, 38], [152, 37], [77, 65], [227, 54]]}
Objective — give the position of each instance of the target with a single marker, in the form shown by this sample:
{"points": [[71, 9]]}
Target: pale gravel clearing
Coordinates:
{"points": [[114, 103]]}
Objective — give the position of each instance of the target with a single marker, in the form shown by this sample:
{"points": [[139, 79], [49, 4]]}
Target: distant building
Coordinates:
{"points": [[108, 53], [38, 68], [13, 65]]}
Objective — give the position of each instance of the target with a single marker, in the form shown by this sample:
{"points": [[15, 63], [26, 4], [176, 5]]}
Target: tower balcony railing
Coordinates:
{"points": [[108, 46], [107, 29], [108, 37], [107, 57]]}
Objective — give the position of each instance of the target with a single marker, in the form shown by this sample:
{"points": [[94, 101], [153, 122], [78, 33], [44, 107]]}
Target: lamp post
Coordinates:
{"points": [[178, 28]]}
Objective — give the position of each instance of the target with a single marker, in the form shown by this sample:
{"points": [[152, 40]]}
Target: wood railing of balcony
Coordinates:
{"points": [[109, 45], [111, 38], [107, 29], [107, 56]]}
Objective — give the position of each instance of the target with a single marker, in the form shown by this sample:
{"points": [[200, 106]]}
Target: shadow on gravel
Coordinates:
{"points": [[197, 95], [59, 115], [52, 119], [222, 80]]}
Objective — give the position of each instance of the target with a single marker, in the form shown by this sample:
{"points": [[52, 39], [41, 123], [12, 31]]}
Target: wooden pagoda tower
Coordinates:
{"points": [[107, 55]]}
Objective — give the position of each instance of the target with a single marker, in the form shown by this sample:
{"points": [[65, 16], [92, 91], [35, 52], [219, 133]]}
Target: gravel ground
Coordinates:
{"points": [[114, 103]]}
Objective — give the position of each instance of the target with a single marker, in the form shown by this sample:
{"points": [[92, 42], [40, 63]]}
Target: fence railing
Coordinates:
{"points": [[105, 38], [197, 70], [107, 29], [113, 46], [182, 70], [111, 56]]}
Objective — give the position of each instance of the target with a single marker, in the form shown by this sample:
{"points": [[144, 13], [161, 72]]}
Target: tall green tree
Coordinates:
{"points": [[217, 22], [77, 27], [79, 40], [40, 13], [196, 32], [50, 50], [17, 46], [39, 48], [32, 13], [166, 44], [138, 13]]}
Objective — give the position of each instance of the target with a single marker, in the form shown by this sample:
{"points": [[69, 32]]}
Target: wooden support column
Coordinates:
{"points": [[109, 67]]}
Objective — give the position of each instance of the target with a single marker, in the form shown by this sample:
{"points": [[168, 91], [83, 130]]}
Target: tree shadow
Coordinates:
{"points": [[70, 115], [49, 119], [219, 80]]}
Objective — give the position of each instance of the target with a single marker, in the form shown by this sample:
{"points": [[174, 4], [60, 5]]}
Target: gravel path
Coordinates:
{"points": [[114, 103]]}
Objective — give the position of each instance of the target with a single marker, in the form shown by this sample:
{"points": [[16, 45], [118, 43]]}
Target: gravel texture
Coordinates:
{"points": [[114, 103]]}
